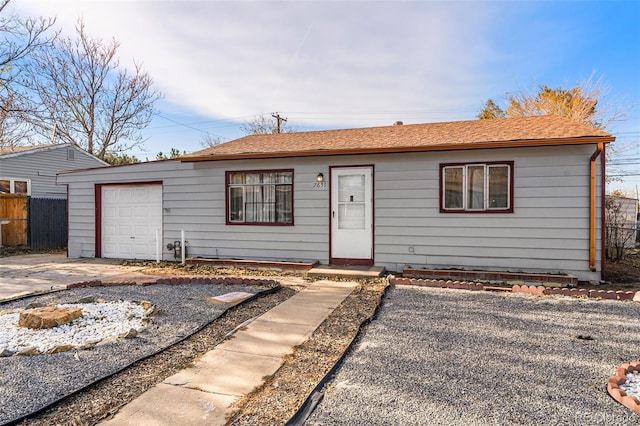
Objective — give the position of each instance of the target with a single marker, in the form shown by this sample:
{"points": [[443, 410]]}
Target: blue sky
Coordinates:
{"points": [[338, 64]]}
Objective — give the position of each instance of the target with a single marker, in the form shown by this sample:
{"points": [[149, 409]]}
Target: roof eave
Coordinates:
{"points": [[395, 150], [34, 150]]}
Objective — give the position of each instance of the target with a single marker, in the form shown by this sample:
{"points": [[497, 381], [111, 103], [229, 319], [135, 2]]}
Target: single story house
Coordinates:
{"points": [[516, 194], [31, 170]]}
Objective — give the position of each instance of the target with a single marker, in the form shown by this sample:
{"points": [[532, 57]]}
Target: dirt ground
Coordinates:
{"points": [[625, 273], [6, 251]]}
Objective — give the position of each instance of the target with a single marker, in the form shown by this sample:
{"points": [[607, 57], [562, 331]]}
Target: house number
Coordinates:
{"points": [[320, 185]]}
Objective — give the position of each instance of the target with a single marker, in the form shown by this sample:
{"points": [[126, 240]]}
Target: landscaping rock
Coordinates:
{"points": [[60, 348], [48, 317], [150, 311], [31, 350], [107, 341], [5, 352], [130, 334]]}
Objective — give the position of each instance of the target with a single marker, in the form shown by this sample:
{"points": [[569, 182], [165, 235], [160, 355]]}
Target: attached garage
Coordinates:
{"points": [[522, 195], [130, 219]]}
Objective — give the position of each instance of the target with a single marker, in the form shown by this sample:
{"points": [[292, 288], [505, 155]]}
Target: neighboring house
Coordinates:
{"points": [[31, 170], [517, 194], [37, 214]]}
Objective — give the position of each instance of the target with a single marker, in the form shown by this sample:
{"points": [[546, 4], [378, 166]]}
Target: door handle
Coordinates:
{"points": [[333, 214]]}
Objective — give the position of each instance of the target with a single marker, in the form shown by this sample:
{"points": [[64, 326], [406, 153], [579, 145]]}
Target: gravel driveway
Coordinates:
{"points": [[452, 357]]}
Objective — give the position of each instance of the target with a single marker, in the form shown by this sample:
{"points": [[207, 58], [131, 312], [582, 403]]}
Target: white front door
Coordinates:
{"points": [[351, 215], [131, 215]]}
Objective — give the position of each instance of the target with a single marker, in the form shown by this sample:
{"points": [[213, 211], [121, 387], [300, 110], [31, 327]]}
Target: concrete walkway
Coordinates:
{"points": [[204, 394], [31, 273]]}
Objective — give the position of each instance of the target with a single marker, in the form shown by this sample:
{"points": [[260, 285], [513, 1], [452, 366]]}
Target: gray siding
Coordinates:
{"points": [[547, 232], [41, 166]]}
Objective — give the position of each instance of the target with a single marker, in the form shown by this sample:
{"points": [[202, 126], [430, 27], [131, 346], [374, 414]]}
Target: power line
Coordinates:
{"points": [[182, 124], [334, 116], [222, 120]]}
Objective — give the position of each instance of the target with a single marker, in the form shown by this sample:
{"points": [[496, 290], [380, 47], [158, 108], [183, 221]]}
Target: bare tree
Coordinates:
{"points": [[208, 140], [263, 125], [13, 131], [19, 38], [80, 91], [581, 103]]}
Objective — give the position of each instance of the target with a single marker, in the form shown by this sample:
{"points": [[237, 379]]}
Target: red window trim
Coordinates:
{"points": [[485, 211], [227, 174]]}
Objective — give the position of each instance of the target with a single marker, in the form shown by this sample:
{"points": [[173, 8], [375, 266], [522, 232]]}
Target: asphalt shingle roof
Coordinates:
{"points": [[518, 131], [25, 148]]}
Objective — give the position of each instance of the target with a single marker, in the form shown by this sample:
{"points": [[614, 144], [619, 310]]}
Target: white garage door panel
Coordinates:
{"points": [[130, 217]]}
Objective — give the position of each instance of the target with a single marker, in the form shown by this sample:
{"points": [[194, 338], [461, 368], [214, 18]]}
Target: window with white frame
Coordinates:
{"points": [[476, 187], [15, 186], [260, 197]]}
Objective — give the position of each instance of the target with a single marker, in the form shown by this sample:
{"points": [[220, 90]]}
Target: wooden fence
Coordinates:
{"points": [[39, 223], [13, 207]]}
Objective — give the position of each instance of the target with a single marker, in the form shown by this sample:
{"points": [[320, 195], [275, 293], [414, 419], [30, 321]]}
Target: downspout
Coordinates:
{"points": [[603, 220], [592, 206]]}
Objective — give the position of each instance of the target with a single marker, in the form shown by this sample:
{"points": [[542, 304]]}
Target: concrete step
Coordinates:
{"points": [[348, 271]]}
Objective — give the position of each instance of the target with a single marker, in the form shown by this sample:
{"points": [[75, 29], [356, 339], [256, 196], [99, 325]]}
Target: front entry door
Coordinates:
{"points": [[352, 215]]}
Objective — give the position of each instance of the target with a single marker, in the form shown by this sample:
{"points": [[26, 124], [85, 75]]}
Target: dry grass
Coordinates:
{"points": [[625, 273]]}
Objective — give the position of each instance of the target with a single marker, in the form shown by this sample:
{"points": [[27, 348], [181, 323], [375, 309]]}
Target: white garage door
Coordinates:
{"points": [[131, 215]]}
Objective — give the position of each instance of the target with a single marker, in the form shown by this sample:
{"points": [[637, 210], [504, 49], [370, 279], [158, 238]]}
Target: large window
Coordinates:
{"points": [[260, 197], [476, 187], [15, 186]]}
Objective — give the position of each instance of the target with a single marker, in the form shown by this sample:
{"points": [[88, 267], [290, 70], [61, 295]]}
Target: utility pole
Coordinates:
{"points": [[278, 120], [53, 133]]}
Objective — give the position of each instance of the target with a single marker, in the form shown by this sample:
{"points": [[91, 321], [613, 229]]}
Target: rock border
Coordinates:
{"points": [[613, 386], [178, 281], [537, 290], [459, 274]]}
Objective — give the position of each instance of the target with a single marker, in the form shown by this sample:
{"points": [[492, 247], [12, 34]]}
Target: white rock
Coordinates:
{"points": [[100, 321]]}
